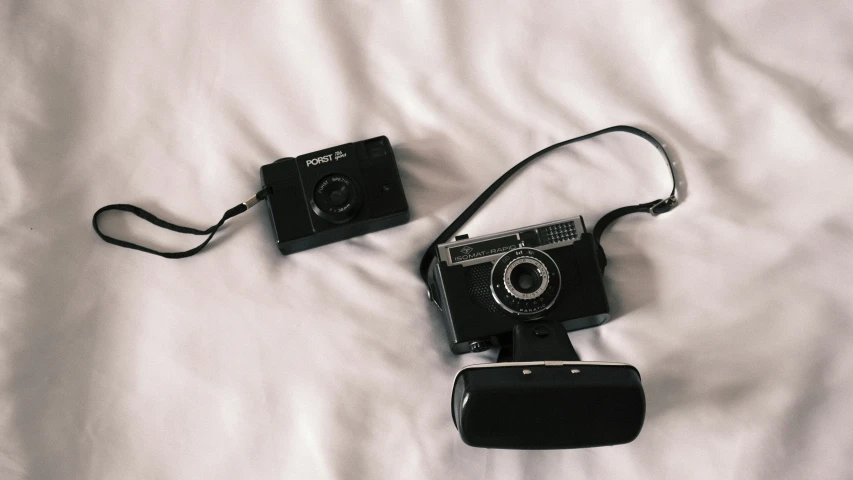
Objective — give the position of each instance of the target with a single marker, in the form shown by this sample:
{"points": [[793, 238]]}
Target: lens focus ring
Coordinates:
{"points": [[336, 198], [525, 281], [517, 290]]}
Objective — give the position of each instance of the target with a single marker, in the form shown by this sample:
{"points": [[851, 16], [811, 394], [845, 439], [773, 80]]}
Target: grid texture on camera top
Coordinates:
{"points": [[559, 232]]}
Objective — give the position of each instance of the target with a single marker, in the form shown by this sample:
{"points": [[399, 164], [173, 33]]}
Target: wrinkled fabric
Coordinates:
{"points": [[330, 363]]}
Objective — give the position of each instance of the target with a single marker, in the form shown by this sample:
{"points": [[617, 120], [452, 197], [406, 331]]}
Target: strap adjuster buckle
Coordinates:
{"points": [[251, 202], [663, 206]]}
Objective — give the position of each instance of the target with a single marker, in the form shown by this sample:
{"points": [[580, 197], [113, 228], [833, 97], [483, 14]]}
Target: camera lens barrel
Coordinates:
{"points": [[336, 198], [526, 278], [525, 281]]}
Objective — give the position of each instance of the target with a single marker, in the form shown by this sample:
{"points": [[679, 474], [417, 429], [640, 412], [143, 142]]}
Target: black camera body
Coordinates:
{"points": [[485, 286], [522, 290], [334, 194]]}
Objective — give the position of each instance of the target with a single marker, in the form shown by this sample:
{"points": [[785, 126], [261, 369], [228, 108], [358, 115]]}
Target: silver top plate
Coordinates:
{"points": [[487, 248]]}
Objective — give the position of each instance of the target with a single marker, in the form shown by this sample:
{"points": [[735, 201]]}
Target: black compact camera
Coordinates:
{"points": [[523, 290], [334, 194], [485, 285]]}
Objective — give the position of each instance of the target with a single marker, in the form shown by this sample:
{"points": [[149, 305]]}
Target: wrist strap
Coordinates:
{"points": [[147, 216], [655, 207]]}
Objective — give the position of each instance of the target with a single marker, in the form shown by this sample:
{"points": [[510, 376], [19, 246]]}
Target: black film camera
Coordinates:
{"points": [[485, 285], [334, 194], [522, 290]]}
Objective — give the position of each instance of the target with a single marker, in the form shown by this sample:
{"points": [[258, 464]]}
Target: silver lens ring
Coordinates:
{"points": [[510, 297], [540, 269]]}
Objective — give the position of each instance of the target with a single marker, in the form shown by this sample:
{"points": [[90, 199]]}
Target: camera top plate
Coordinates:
{"points": [[488, 248]]}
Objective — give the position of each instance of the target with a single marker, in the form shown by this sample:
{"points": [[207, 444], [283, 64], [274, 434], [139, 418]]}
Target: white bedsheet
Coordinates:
{"points": [[242, 363]]}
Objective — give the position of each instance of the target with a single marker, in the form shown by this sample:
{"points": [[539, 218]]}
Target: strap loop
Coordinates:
{"points": [[663, 206], [149, 217], [655, 207]]}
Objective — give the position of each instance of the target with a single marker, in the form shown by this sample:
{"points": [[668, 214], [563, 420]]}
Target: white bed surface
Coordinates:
{"points": [[242, 363]]}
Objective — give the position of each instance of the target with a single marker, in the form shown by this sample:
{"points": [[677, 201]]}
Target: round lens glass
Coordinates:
{"points": [[526, 278], [336, 198], [338, 195], [333, 192]]}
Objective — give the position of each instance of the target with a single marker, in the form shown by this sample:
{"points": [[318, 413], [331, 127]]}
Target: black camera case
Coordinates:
{"points": [[334, 194], [475, 321], [541, 396]]}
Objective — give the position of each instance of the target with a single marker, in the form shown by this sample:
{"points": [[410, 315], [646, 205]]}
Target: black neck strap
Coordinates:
{"points": [[655, 207], [143, 214]]}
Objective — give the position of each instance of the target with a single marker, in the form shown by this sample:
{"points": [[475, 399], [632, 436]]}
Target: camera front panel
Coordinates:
{"points": [[465, 280], [289, 214], [334, 194]]}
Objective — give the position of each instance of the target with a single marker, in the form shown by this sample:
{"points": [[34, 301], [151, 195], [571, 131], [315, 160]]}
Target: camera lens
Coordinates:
{"points": [[525, 277], [525, 281], [339, 195], [336, 198]]}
